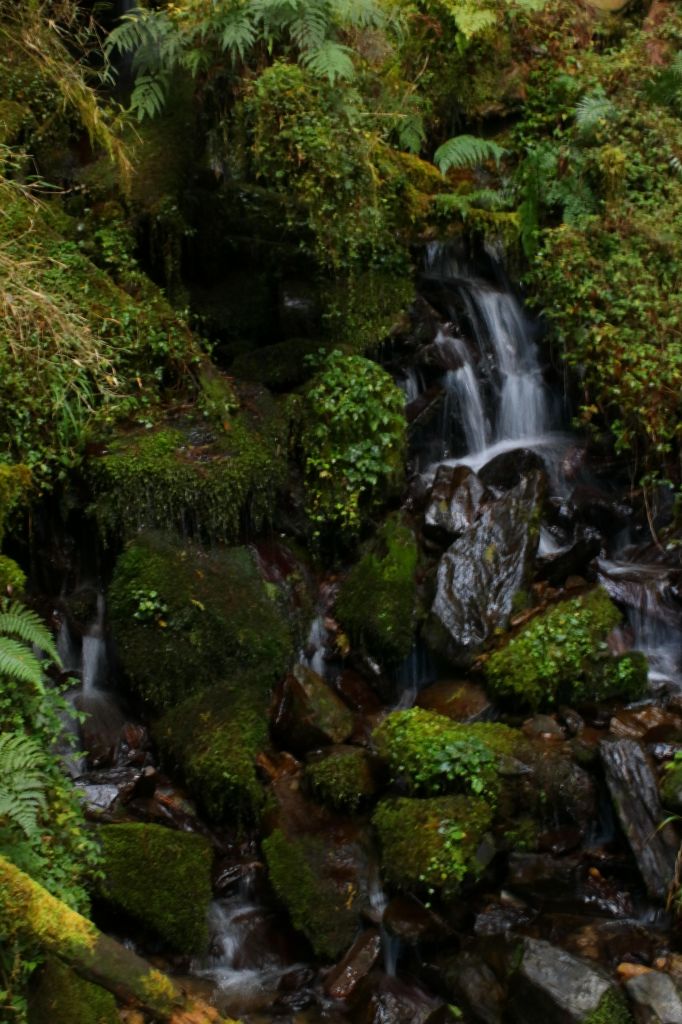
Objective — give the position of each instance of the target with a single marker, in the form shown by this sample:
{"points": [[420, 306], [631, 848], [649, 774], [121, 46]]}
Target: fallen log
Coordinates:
{"points": [[29, 911]]}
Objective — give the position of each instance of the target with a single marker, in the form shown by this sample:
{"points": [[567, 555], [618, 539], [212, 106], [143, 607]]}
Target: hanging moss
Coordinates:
{"points": [[161, 878], [326, 913], [185, 618], [431, 844], [213, 739], [213, 473], [376, 603], [57, 995], [563, 655]]}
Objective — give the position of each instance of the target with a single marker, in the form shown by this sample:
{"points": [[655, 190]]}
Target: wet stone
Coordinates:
{"points": [[456, 499], [509, 469], [650, 724], [308, 713], [654, 999], [409, 920], [471, 982], [461, 701], [344, 978]]}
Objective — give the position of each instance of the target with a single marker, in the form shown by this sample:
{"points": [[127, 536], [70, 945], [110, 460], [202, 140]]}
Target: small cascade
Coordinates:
{"points": [[463, 398], [315, 652], [412, 675], [390, 944], [412, 384], [94, 669]]}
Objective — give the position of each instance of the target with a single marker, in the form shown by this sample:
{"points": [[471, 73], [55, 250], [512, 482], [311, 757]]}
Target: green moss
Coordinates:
{"points": [[212, 473], [57, 995], [325, 912], [12, 576], [185, 617], [432, 754], [612, 1009], [671, 785], [282, 366], [431, 843], [376, 603], [563, 655], [363, 311], [14, 484], [213, 739], [160, 877], [342, 778]]}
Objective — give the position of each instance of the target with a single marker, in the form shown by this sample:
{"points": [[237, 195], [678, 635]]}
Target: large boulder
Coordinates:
{"points": [[185, 617], [481, 576], [455, 503], [161, 878]]}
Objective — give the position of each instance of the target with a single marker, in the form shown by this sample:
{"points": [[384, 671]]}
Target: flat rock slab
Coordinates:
{"points": [[654, 999], [634, 792]]}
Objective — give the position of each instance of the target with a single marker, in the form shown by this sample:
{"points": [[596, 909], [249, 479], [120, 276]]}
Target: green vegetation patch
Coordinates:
{"points": [[213, 739], [432, 754], [342, 778], [213, 473], [563, 655], [57, 995], [323, 910], [376, 603], [162, 878], [185, 617], [612, 1009], [433, 843]]}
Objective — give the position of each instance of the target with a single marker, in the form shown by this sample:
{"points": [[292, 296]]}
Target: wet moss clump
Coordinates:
{"points": [[211, 474], [342, 779], [57, 995], [213, 739], [432, 754], [432, 844], [185, 618], [612, 1009], [323, 911], [161, 878], [376, 604], [563, 655]]}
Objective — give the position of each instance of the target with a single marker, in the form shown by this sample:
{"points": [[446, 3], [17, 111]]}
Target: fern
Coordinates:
{"points": [[331, 60], [22, 782], [592, 111], [21, 622], [467, 151], [149, 95]]}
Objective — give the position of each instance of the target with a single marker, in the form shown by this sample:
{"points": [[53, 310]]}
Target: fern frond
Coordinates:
{"points": [[19, 663], [237, 32], [467, 151], [592, 110], [472, 22], [22, 782], [21, 622], [149, 95], [359, 13], [331, 60]]}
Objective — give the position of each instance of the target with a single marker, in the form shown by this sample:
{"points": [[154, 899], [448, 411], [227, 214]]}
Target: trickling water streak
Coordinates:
{"points": [[390, 944], [412, 385], [94, 665], [463, 398]]}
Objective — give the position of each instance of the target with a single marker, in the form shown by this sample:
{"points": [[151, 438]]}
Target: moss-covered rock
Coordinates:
{"points": [[213, 739], [322, 903], [434, 843], [671, 785], [363, 312], [12, 576], [430, 753], [376, 603], [161, 878], [57, 995], [211, 473], [563, 655], [342, 778], [282, 366], [185, 617]]}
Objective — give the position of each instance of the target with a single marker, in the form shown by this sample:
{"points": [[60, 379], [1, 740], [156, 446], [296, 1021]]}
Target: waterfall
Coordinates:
{"points": [[463, 398]]}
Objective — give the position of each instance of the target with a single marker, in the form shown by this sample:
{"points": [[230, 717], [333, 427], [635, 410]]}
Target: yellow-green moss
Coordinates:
{"points": [[324, 912], [161, 878], [376, 603], [12, 576], [431, 844], [362, 311], [342, 778], [14, 484], [563, 655], [212, 739], [57, 995], [185, 617], [612, 1009]]}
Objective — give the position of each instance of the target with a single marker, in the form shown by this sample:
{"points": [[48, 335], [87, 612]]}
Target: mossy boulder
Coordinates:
{"points": [[185, 617], [376, 603], [562, 654], [318, 885], [211, 472], [429, 753], [212, 739], [364, 311], [161, 878], [342, 778], [434, 843], [57, 995]]}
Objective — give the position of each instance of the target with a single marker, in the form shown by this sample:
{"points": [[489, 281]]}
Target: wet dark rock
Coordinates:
{"points": [[298, 308], [649, 724], [344, 978], [542, 875], [481, 574], [409, 920], [462, 701], [571, 560], [390, 1001], [457, 497], [599, 509], [543, 727], [551, 986], [558, 790], [607, 940], [572, 721], [471, 982], [633, 788], [654, 999], [559, 840], [308, 713], [106, 789], [505, 915], [509, 469]]}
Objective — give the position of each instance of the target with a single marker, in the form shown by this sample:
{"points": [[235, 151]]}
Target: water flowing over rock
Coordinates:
{"points": [[632, 785], [481, 574]]}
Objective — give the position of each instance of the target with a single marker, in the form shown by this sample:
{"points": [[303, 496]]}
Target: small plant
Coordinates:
{"points": [[150, 607]]}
